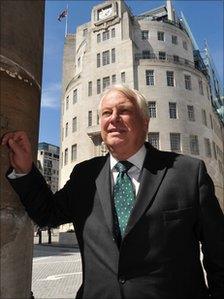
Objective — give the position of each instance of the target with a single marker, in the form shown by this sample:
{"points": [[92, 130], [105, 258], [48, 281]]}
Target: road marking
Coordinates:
{"points": [[59, 276], [55, 262]]}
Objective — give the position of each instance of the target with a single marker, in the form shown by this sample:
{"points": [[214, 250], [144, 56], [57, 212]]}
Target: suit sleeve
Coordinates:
{"points": [[211, 234], [44, 207]]}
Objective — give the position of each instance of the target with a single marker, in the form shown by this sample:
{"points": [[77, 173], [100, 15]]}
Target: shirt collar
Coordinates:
{"points": [[137, 159]]}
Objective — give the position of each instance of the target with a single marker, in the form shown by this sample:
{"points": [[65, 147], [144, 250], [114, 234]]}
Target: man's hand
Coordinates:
{"points": [[20, 153]]}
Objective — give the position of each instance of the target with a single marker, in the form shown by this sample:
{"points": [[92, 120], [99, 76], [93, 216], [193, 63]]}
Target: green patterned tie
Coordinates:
{"points": [[124, 195]]}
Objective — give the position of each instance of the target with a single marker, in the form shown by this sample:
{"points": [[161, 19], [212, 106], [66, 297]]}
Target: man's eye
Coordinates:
{"points": [[106, 113]]}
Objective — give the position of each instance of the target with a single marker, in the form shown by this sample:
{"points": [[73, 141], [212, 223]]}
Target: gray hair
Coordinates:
{"points": [[132, 94]]}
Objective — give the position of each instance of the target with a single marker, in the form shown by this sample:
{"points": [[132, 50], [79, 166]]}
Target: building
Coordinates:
{"points": [[155, 53], [48, 163]]}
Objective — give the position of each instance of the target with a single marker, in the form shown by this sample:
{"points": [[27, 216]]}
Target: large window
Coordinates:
{"points": [[113, 32], [90, 118], [170, 78], [175, 141], [113, 79], [90, 88], [204, 117], [153, 138], [173, 110], [67, 103], [194, 147], [152, 109], [106, 82], [214, 150], [160, 35], [146, 54], [66, 157], [98, 60], [187, 79], [66, 129], [190, 113], [174, 39], [162, 55], [98, 38], [185, 45], [145, 34], [208, 151], [106, 57], [123, 77], [149, 75], [98, 86], [106, 35], [74, 96], [74, 152], [200, 85], [74, 124], [113, 55]]}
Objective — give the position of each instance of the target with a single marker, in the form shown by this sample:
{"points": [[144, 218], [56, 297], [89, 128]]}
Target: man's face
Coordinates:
{"points": [[123, 127]]}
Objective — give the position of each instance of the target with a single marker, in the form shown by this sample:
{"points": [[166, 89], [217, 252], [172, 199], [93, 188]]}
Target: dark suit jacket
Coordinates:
{"points": [[159, 257]]}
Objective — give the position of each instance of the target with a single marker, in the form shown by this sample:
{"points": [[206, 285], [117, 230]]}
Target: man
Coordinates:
{"points": [[139, 223]]}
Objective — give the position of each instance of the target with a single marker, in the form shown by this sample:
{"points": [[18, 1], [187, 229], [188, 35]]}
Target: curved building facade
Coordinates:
{"points": [[153, 53]]}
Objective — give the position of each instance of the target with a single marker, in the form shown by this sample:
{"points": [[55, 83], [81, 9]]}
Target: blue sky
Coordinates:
{"points": [[204, 17]]}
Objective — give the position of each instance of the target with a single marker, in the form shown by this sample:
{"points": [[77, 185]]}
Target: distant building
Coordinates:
{"points": [[154, 52], [48, 163]]}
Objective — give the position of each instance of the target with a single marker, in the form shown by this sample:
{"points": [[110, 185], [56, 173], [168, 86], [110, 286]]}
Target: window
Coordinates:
{"points": [[98, 86], [98, 60], [123, 77], [106, 57], [146, 54], [190, 113], [149, 75], [153, 138], [113, 32], [106, 35], [66, 157], [97, 118], [194, 148], [106, 82], [90, 118], [185, 45], [174, 39], [175, 141], [66, 129], [145, 34], [176, 58], [208, 152], [74, 152], [211, 122], [113, 79], [170, 78], [204, 117], [67, 103], [113, 56], [160, 35], [200, 84], [98, 38], [187, 79], [84, 33], [173, 110], [90, 88], [214, 150], [152, 109], [74, 124], [74, 96], [162, 55]]}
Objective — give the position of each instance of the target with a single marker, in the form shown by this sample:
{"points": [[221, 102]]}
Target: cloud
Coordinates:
{"points": [[50, 97]]}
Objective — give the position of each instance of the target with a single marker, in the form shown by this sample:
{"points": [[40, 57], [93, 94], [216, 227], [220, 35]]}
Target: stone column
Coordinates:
{"points": [[22, 32]]}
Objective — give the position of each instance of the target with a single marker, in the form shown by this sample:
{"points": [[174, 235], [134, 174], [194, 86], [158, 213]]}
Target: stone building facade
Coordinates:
{"points": [[153, 53]]}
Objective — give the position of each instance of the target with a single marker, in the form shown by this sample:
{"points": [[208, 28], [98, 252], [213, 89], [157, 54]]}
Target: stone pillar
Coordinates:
{"points": [[22, 32]]}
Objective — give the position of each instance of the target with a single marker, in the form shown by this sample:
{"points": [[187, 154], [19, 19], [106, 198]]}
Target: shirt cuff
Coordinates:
{"points": [[14, 175]]}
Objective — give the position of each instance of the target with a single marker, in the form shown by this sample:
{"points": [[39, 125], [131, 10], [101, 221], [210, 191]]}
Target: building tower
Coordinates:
{"points": [[152, 52]]}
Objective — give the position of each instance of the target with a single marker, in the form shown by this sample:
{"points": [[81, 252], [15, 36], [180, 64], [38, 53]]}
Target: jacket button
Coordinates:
{"points": [[122, 280]]}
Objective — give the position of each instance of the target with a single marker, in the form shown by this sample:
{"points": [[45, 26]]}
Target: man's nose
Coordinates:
{"points": [[115, 116]]}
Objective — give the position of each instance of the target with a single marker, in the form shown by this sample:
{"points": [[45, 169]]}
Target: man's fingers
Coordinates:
{"points": [[14, 146]]}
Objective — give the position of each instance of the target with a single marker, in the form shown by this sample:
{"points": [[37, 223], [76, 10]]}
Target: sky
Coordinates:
{"points": [[205, 19]]}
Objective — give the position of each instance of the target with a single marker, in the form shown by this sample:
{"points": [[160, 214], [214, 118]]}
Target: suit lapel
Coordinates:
{"points": [[103, 185], [151, 178]]}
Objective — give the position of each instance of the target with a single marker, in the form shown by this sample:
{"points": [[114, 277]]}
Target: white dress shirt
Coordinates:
{"points": [[134, 172]]}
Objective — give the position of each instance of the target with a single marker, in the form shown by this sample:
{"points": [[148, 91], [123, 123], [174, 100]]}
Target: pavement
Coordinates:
{"points": [[57, 270]]}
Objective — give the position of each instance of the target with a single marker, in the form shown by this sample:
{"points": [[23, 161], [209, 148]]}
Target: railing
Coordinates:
{"points": [[169, 58]]}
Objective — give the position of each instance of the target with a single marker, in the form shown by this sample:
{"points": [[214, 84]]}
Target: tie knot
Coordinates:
{"points": [[123, 166]]}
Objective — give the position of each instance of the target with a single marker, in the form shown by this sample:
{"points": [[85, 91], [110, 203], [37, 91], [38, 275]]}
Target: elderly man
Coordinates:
{"points": [[139, 214]]}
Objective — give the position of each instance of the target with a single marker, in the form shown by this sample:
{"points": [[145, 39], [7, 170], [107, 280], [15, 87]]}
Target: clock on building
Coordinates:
{"points": [[105, 12]]}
